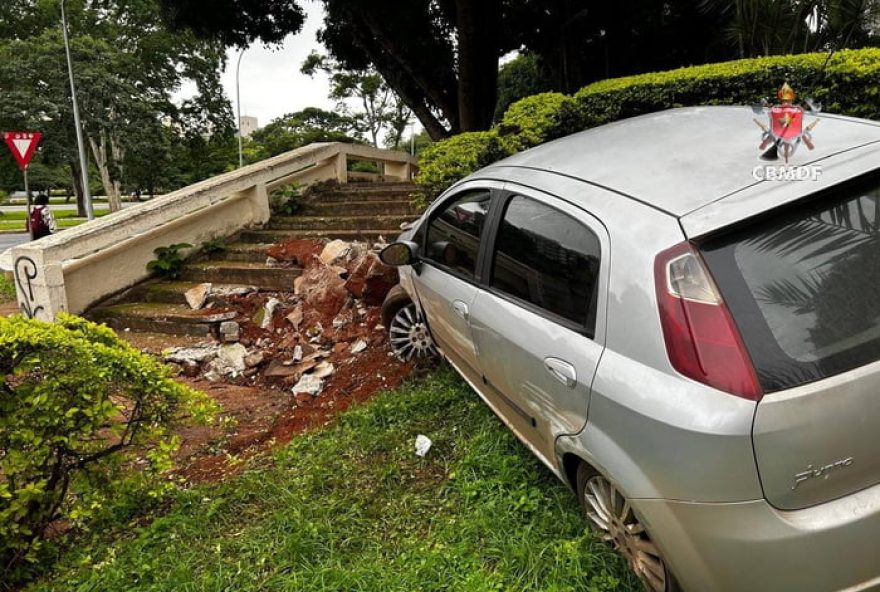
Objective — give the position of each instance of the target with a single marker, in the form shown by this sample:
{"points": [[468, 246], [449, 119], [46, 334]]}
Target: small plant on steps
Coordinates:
{"points": [[285, 201], [213, 246], [169, 261]]}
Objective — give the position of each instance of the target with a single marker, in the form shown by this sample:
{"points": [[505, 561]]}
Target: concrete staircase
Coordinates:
{"points": [[354, 211]]}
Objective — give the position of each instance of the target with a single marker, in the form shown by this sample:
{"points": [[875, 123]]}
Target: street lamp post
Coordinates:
{"points": [[238, 106], [83, 164]]}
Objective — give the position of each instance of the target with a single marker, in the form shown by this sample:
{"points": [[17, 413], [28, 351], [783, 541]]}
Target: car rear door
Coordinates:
{"points": [[536, 321], [803, 286], [446, 282]]}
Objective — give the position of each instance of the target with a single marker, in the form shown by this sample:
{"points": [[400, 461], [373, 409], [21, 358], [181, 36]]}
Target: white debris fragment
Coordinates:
{"points": [[194, 354], [230, 359], [310, 384], [297, 353], [323, 370], [229, 331], [423, 445], [196, 297], [231, 290], [270, 307], [296, 317], [358, 346], [335, 250]]}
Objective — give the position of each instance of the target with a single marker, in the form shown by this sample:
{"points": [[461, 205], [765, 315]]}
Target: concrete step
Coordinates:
{"points": [[334, 223], [161, 318], [241, 251], [364, 192], [359, 208], [274, 236], [173, 293], [242, 272]]}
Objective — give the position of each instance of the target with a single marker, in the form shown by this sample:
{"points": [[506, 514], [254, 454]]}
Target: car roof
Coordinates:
{"points": [[683, 159]]}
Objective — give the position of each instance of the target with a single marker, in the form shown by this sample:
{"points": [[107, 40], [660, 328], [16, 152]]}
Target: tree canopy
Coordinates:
{"points": [[441, 56], [127, 66]]}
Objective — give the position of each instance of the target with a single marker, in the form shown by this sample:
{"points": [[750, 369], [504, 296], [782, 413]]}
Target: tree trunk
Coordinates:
{"points": [[407, 79], [99, 151], [478, 47], [76, 177]]}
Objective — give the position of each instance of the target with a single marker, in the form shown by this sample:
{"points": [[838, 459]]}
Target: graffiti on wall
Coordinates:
{"points": [[25, 273]]}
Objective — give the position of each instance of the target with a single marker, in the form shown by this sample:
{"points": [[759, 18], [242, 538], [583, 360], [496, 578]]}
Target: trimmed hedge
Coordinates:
{"points": [[850, 85]]}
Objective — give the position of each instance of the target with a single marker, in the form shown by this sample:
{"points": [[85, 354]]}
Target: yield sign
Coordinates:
{"points": [[22, 145]]}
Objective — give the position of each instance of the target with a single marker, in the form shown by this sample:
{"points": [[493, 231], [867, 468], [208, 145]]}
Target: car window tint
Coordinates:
{"points": [[547, 258], [454, 234], [802, 286]]}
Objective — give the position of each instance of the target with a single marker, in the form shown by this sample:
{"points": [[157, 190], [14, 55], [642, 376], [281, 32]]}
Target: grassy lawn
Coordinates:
{"points": [[64, 219], [352, 508], [7, 289]]}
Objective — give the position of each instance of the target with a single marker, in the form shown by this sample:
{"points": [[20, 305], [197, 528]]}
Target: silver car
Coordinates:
{"points": [[687, 335]]}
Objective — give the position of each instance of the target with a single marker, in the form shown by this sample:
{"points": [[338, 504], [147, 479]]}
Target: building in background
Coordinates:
{"points": [[248, 126]]}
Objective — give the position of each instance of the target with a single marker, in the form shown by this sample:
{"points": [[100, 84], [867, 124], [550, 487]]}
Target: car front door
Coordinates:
{"points": [[537, 322], [449, 271]]}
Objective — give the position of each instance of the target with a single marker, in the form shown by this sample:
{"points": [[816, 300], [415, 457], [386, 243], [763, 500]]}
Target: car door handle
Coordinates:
{"points": [[461, 309], [561, 371]]}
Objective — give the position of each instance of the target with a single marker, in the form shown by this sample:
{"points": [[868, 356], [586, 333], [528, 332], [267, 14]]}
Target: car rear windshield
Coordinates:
{"points": [[804, 286]]}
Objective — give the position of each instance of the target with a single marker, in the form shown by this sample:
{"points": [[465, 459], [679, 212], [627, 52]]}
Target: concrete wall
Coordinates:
{"points": [[73, 269]]}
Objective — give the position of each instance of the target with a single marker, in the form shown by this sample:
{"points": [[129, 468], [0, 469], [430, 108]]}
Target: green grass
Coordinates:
{"points": [[59, 214], [352, 508], [64, 218], [7, 289]]}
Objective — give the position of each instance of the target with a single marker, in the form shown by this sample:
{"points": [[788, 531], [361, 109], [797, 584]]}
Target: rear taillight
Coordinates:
{"points": [[702, 341]]}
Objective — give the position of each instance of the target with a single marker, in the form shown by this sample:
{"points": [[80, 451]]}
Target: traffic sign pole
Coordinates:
{"points": [[27, 195]]}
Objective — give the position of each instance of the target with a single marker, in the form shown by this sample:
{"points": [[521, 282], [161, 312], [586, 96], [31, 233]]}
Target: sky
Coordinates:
{"points": [[271, 83]]}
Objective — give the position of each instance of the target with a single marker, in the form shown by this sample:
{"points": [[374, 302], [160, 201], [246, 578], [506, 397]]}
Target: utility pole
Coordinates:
{"points": [[238, 106], [83, 163]]}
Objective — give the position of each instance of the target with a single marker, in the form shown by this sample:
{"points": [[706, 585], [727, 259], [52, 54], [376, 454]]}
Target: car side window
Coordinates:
{"points": [[548, 259], [453, 237]]}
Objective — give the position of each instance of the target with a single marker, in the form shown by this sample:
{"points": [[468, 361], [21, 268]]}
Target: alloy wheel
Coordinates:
{"points": [[611, 515], [409, 335]]}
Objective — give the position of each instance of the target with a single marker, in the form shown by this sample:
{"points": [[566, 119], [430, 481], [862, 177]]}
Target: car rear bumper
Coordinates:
{"points": [[753, 546]]}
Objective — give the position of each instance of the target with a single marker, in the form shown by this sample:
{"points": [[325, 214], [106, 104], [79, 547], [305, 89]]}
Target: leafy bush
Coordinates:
{"points": [[169, 260], [537, 119], [444, 163], [75, 404], [850, 85], [285, 201]]}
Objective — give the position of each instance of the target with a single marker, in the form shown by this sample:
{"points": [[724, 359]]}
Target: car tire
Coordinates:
{"points": [[608, 514], [407, 330]]}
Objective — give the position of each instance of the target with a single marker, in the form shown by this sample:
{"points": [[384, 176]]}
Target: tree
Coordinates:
{"points": [[765, 27], [126, 69], [521, 77], [304, 127], [380, 108]]}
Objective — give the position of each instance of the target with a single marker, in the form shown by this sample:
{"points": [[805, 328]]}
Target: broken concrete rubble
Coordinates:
{"points": [[309, 384], [197, 354], [323, 370], [230, 359], [196, 297], [269, 311], [229, 332], [322, 289], [296, 317], [334, 251]]}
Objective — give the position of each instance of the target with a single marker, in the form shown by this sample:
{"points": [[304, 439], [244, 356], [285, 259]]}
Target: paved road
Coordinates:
{"points": [[9, 239]]}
